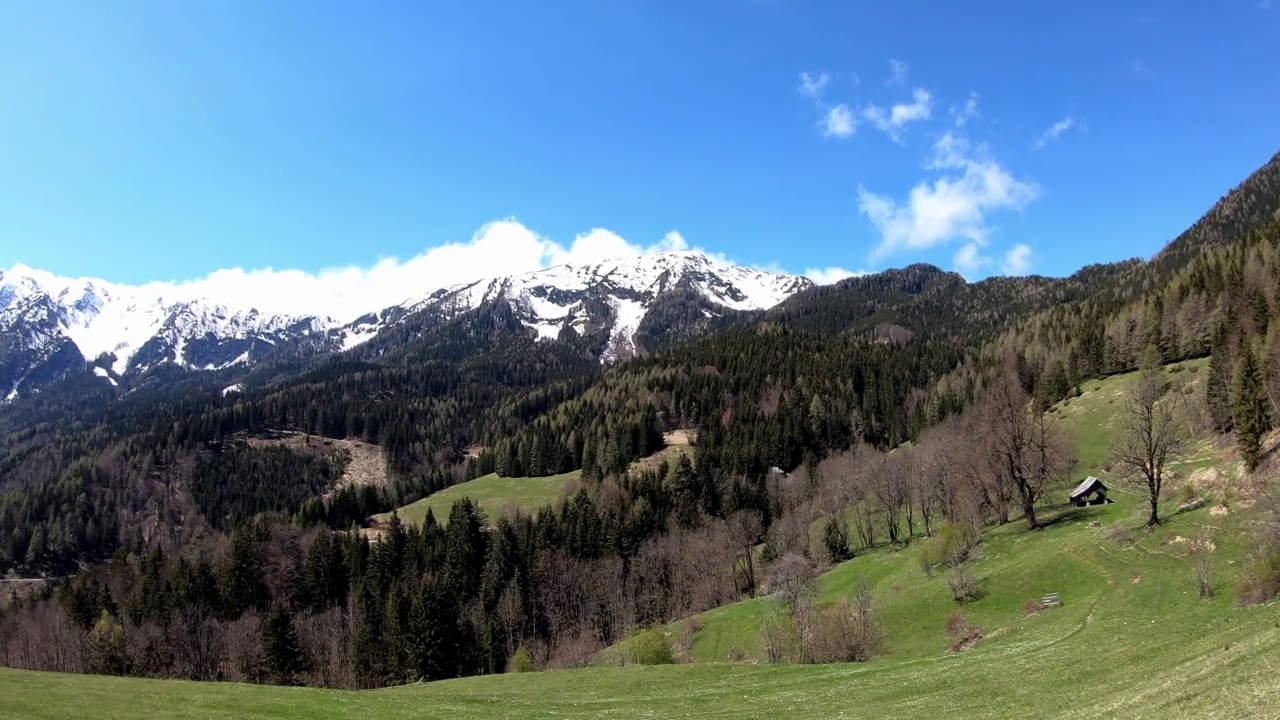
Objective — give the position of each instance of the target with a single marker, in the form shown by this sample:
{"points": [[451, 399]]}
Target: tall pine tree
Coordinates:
{"points": [[284, 656], [1252, 419], [1217, 389]]}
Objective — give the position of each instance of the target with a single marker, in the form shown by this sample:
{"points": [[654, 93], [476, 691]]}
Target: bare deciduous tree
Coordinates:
{"points": [[1149, 435], [1013, 442], [744, 530], [791, 577]]}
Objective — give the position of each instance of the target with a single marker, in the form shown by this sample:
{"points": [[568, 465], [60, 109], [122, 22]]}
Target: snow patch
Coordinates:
{"points": [[358, 336], [629, 315], [102, 373], [547, 331], [237, 389]]}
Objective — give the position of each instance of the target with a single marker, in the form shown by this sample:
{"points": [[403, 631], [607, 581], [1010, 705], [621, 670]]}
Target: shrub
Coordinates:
{"points": [[835, 537], [649, 647], [847, 631], [779, 639], [1119, 533], [575, 652], [1260, 581], [521, 661], [1188, 493], [949, 547], [683, 644], [960, 634], [965, 586]]}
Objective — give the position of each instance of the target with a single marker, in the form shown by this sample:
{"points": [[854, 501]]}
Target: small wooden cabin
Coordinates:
{"points": [[1090, 492]]}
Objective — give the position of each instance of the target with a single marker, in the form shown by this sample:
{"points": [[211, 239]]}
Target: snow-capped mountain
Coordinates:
{"points": [[617, 295], [52, 326]]}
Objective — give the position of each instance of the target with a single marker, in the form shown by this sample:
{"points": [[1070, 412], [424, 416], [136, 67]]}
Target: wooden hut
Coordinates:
{"points": [[1090, 492]]}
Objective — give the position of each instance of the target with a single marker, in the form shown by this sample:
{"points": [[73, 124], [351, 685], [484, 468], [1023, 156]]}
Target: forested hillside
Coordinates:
{"points": [[202, 555]]}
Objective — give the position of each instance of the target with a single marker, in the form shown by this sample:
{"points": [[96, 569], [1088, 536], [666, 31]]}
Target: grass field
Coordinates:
{"points": [[1132, 638], [495, 494]]}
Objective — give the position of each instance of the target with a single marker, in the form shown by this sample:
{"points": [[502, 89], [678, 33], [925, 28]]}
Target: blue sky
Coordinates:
{"points": [[162, 141]]}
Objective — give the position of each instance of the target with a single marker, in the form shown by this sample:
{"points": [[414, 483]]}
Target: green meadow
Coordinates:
{"points": [[496, 495], [1132, 638]]}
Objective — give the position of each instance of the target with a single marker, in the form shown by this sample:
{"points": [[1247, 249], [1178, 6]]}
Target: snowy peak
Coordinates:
{"points": [[51, 326], [616, 295]]}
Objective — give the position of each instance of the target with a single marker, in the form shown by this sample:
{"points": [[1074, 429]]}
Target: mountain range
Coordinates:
{"points": [[52, 327]]}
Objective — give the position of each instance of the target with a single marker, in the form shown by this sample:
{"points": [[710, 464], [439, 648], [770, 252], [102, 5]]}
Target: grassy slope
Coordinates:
{"points": [[495, 494], [1116, 648]]}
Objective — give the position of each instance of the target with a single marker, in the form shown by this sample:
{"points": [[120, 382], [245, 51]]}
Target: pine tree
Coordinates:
{"points": [[1217, 390], [435, 637], [1252, 419], [284, 655], [465, 548]]}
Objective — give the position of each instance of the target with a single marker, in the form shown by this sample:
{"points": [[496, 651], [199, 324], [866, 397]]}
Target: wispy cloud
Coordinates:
{"points": [[1054, 132], [1018, 260], [830, 275], [892, 121], [954, 206], [969, 111], [812, 86], [838, 122], [970, 260], [897, 73], [499, 248], [841, 120], [503, 247]]}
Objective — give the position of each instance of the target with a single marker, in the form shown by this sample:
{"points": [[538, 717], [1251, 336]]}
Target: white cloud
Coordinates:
{"points": [[952, 207], [503, 247], [838, 122], [813, 86], [1017, 261], [892, 121], [499, 248], [897, 73], [966, 113], [969, 259], [829, 275], [1054, 131]]}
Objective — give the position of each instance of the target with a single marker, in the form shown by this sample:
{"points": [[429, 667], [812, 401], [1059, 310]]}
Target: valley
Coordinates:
{"points": [[1132, 637], [740, 494], [750, 359]]}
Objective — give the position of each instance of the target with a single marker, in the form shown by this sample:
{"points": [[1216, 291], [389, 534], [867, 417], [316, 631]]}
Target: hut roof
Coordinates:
{"points": [[1087, 486]]}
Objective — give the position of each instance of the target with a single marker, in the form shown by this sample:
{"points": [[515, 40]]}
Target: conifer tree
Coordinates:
{"points": [[1217, 389], [284, 655], [1250, 411]]}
